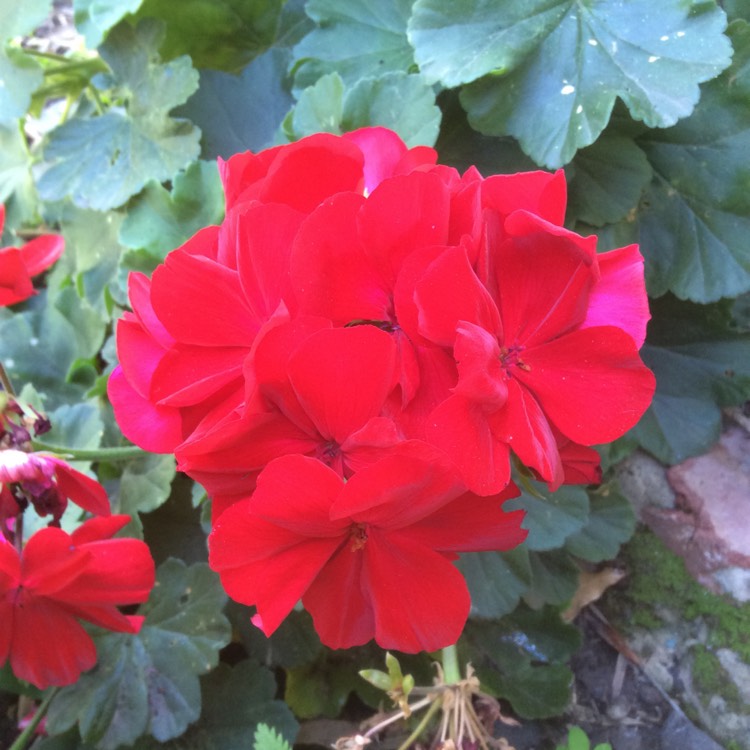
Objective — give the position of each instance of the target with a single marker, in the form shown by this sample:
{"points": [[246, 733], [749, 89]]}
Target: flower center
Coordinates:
{"points": [[358, 536], [510, 356]]}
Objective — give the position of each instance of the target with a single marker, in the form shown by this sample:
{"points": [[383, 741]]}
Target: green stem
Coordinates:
{"points": [[5, 381], [451, 671], [123, 453], [431, 711], [23, 738]]}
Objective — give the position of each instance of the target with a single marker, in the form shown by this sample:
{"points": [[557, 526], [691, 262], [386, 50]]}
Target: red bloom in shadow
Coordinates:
{"points": [[370, 557], [60, 579], [19, 264]]}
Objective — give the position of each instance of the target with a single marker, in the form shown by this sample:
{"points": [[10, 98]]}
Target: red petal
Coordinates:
{"points": [[157, 429], [264, 564], [411, 482], [42, 252], [591, 383], [84, 491], [523, 425], [330, 270], [402, 215], [420, 600], [341, 611], [544, 280], [471, 524], [619, 297], [306, 173], [139, 293], [201, 302], [264, 235], [342, 377], [49, 647], [481, 377], [15, 284], [539, 193], [188, 375], [139, 353], [386, 154], [296, 493], [449, 293], [461, 429]]}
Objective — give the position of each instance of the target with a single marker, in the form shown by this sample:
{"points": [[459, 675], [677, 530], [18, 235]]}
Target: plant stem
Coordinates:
{"points": [[23, 738], [431, 711], [5, 381], [451, 671], [123, 453]]}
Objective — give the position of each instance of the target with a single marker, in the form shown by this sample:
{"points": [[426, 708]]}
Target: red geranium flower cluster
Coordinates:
{"points": [[19, 264], [368, 338]]}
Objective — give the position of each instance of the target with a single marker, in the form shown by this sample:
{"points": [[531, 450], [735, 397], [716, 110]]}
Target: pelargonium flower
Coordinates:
{"points": [[322, 389], [60, 579], [199, 318], [371, 557], [545, 335], [19, 264], [47, 482]]}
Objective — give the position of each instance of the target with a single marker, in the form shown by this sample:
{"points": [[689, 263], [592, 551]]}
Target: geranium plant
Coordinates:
{"points": [[383, 305]]}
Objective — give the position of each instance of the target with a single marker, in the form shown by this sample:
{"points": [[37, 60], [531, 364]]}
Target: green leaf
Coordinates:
{"points": [[521, 658], [41, 345], [356, 39], [695, 217], [328, 107], [460, 146], [236, 703], [554, 578], [553, 516], [496, 580], [20, 76], [92, 253], [17, 189], [94, 18], [101, 161], [700, 365], [240, 112], [75, 426], [606, 180], [220, 34], [552, 70], [293, 644], [148, 683], [266, 738], [145, 483], [160, 220], [611, 523]]}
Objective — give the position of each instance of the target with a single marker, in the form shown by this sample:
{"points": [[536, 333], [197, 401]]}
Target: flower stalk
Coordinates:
{"points": [[22, 740]]}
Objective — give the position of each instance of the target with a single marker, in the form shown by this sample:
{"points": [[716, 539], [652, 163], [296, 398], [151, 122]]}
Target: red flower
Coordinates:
{"points": [[323, 392], [541, 350], [302, 175], [47, 483], [183, 347], [19, 264], [60, 579], [370, 557]]}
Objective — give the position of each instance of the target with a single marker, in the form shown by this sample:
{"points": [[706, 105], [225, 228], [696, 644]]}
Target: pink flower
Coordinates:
{"points": [[47, 483], [370, 557], [60, 579], [19, 264]]}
